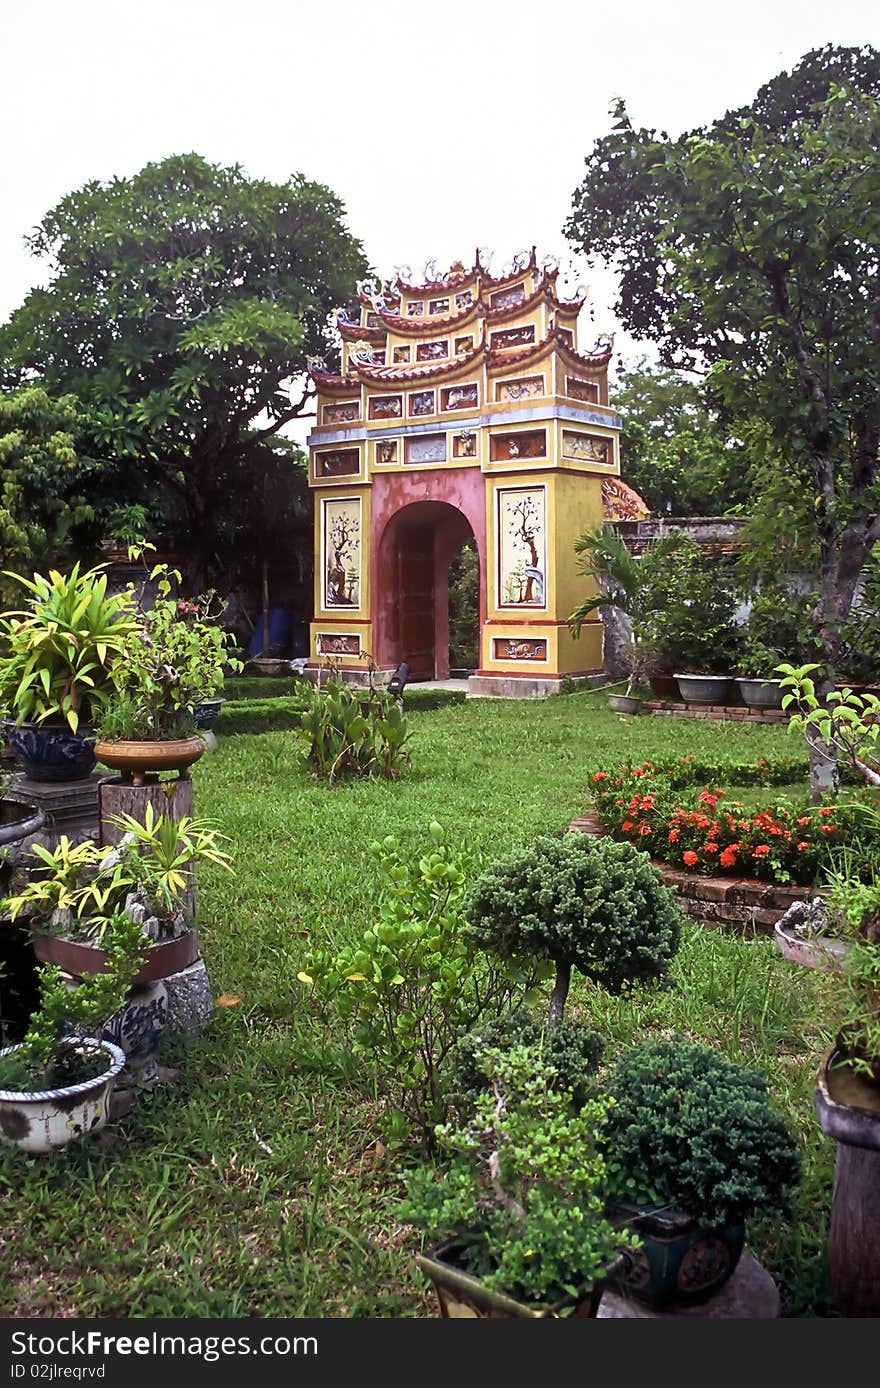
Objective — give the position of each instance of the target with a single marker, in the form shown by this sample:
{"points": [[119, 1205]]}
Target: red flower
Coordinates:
{"points": [[828, 828], [804, 819], [710, 847], [802, 846], [626, 825], [644, 829], [728, 857], [673, 835], [761, 850], [601, 776], [826, 810], [690, 858]]}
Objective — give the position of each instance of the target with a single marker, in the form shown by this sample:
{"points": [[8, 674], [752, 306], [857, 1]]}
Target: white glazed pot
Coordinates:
{"points": [[39, 1120]]}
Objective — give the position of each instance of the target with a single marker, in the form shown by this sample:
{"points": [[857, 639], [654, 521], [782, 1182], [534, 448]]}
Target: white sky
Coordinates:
{"points": [[442, 126]]}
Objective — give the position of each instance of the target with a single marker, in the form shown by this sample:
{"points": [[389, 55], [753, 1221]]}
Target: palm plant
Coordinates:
{"points": [[625, 582]]}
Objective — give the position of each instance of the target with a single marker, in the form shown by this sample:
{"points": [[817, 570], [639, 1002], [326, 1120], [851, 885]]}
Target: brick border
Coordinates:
{"points": [[753, 906], [733, 713]]}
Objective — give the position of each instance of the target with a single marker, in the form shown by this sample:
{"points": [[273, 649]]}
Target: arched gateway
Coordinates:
{"points": [[463, 409]]}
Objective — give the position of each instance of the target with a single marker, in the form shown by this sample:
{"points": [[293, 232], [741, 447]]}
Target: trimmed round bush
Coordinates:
{"points": [[588, 904], [692, 1131], [572, 1049]]}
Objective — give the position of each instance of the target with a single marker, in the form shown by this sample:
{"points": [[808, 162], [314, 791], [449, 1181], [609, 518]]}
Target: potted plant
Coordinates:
{"points": [[58, 656], [693, 627], [692, 1148], [581, 903], [55, 1084], [517, 1215], [176, 659], [778, 627], [73, 898], [628, 584]]}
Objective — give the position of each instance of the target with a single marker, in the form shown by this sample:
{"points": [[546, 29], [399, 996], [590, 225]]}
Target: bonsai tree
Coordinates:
{"points": [[176, 657], [59, 654], [690, 1131], [693, 628], [573, 1050], [582, 903], [521, 1200]]}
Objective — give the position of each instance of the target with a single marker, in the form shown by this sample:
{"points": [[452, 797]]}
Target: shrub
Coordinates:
{"points": [[588, 904], [572, 1049], [783, 841], [351, 732], [522, 1196], [692, 1131], [414, 982]]}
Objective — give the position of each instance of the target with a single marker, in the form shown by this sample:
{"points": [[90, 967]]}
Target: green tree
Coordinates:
{"points": [[750, 249], [180, 308], [676, 449], [48, 484]]}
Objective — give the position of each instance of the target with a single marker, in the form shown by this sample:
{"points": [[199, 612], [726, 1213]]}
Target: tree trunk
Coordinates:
{"points": [[559, 994]]}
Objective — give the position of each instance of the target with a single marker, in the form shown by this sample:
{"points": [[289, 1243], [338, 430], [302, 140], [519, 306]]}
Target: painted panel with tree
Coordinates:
{"points": [[342, 552], [521, 546]]}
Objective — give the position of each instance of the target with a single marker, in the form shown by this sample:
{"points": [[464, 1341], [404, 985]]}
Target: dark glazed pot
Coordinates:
{"points": [[17, 821], [161, 960], [205, 715], [681, 1261], [51, 752]]}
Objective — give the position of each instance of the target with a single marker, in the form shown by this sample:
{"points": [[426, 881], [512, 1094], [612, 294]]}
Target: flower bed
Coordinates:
{"points": [[706, 831]]}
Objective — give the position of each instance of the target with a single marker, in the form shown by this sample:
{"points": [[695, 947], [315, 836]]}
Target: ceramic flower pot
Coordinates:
{"points": [[17, 821], [813, 951], [50, 752], [206, 714], [461, 1296], [39, 1120], [624, 703], [681, 1261], [136, 759], [760, 693], [705, 689]]}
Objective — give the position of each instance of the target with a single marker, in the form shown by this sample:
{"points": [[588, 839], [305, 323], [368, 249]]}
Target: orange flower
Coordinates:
{"points": [[802, 846], [761, 850], [673, 835], [826, 810], [601, 776], [728, 857], [690, 858], [626, 826]]}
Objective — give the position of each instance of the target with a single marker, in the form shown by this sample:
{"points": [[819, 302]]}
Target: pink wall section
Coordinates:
{"points": [[452, 503]]}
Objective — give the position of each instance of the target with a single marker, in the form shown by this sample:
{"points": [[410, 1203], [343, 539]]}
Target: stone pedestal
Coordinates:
{"points": [[70, 807], [190, 1003], [750, 1294]]}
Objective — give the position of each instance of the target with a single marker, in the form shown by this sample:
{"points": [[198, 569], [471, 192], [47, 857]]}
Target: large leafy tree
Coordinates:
{"points": [[48, 484], [676, 448], [180, 307], [751, 250]]}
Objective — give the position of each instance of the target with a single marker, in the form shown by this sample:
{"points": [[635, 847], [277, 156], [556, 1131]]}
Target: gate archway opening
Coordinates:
{"points": [[412, 586]]}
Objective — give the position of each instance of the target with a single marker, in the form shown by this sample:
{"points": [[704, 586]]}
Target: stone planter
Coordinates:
{"points": [[624, 703], [39, 1120], [461, 1296], [760, 693], [75, 957], [848, 1107], [705, 689], [681, 1261], [136, 759], [51, 752]]}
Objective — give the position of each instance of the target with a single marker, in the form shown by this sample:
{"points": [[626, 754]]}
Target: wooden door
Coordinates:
{"points": [[415, 588]]}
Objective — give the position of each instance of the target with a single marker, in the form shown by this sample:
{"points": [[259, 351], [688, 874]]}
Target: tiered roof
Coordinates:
{"points": [[479, 315]]}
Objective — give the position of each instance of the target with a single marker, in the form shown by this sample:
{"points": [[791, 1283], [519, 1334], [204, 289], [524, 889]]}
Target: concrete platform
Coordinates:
{"points": [[750, 1294]]}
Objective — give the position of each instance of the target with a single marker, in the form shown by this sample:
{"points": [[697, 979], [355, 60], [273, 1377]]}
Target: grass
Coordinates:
{"points": [[264, 1184]]}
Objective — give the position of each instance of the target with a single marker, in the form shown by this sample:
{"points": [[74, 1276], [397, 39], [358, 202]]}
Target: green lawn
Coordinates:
{"points": [[260, 1185]]}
